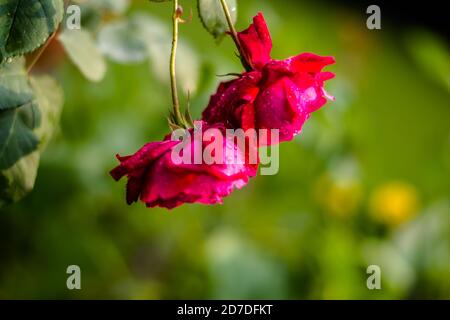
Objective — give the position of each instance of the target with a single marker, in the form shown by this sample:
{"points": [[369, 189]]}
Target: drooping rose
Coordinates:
{"points": [[158, 178], [276, 94]]}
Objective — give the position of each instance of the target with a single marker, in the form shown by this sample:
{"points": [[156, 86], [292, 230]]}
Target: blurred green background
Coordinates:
{"points": [[367, 181]]}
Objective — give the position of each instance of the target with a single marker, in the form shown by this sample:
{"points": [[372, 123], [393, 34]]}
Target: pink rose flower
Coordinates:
{"points": [[157, 179], [276, 94]]}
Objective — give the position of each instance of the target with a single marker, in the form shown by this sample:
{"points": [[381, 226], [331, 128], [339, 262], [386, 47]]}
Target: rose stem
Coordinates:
{"points": [[173, 56], [234, 35]]}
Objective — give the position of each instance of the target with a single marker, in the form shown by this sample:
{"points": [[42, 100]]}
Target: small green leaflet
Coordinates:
{"points": [[213, 18]]}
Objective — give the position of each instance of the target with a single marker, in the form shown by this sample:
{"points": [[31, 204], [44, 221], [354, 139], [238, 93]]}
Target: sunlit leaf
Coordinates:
{"points": [[82, 50]]}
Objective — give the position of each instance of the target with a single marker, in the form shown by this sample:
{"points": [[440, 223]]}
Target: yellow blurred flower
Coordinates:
{"points": [[394, 203], [339, 198]]}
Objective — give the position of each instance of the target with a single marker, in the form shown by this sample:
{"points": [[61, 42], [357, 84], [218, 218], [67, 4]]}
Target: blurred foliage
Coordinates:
{"points": [[365, 183]]}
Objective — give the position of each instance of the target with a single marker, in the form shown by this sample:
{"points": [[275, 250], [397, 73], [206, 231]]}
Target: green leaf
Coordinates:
{"points": [[142, 37], [131, 40], [14, 88], [188, 65], [213, 18], [18, 180], [82, 50], [121, 42], [111, 6], [431, 54], [26, 25], [156, 38], [17, 114], [93, 11], [16, 135], [49, 100], [40, 119]]}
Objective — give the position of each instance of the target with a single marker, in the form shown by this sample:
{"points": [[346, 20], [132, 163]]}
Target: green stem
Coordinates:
{"points": [[173, 56], [234, 35]]}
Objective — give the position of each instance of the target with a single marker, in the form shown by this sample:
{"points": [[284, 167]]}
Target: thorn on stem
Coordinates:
{"points": [[179, 12]]}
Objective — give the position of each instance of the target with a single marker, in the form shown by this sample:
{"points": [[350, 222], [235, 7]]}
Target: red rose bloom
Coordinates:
{"points": [[276, 94], [157, 179]]}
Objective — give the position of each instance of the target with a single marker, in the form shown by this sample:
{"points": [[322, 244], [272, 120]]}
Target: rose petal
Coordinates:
{"points": [[256, 42]]}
